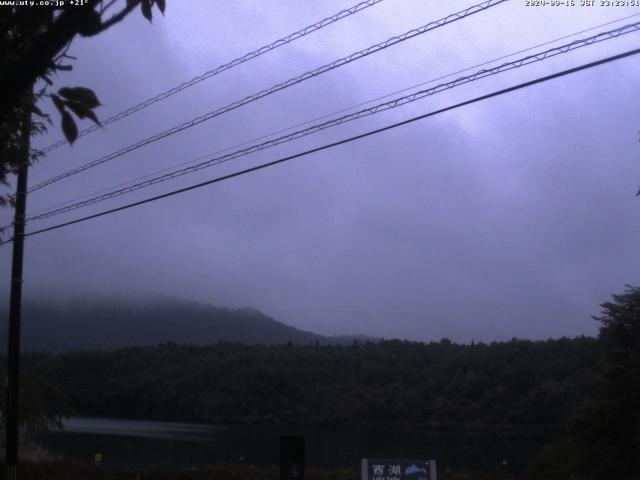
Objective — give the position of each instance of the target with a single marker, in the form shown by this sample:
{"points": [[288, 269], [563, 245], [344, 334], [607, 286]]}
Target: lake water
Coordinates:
{"points": [[151, 443]]}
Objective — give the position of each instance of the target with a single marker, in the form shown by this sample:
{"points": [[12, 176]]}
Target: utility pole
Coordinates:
{"points": [[15, 306]]}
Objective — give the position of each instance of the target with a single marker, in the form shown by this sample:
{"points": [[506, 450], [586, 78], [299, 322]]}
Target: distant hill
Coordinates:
{"points": [[107, 325]]}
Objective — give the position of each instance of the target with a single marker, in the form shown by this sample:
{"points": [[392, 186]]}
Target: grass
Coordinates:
{"points": [[64, 470], [59, 470]]}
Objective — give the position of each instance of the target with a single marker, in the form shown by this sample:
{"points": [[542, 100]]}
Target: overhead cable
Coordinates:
{"points": [[340, 142], [233, 63], [322, 117], [397, 102], [275, 88]]}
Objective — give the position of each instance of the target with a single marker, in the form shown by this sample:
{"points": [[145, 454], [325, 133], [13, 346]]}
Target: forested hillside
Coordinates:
{"points": [[107, 325], [512, 385]]}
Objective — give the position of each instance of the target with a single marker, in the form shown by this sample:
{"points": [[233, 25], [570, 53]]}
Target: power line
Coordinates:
{"points": [[372, 110], [466, 69], [322, 117], [350, 117], [135, 179], [275, 88], [233, 63], [341, 142]]}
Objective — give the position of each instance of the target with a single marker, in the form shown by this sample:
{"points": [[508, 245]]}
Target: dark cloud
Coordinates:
{"points": [[514, 217]]}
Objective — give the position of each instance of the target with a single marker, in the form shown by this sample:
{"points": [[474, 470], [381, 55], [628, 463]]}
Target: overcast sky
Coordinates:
{"points": [[516, 216]]}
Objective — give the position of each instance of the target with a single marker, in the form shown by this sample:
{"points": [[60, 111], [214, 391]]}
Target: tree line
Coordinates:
{"points": [[518, 384]]}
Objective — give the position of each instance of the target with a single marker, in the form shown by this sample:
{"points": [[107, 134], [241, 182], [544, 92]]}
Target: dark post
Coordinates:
{"points": [[291, 458], [13, 357]]}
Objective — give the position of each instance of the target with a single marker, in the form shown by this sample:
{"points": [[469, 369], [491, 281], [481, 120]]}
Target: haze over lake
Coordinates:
{"points": [[150, 443]]}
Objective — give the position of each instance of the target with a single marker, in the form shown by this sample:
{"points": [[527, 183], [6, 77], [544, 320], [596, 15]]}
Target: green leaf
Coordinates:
{"points": [[82, 111], [82, 95], [77, 108], [69, 127], [57, 101], [90, 23], [92, 115], [36, 110], [161, 5], [145, 6]]}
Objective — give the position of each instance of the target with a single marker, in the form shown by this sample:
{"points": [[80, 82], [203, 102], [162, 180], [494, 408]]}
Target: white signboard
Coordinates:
{"points": [[386, 469]]}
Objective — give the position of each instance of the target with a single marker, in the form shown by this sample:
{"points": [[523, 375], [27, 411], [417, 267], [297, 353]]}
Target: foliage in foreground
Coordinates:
{"points": [[76, 471], [603, 441], [33, 48]]}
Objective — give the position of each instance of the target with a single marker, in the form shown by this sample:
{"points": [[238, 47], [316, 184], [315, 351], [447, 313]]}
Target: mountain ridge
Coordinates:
{"points": [[110, 324]]}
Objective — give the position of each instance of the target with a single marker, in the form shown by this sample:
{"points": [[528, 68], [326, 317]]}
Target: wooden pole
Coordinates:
{"points": [[15, 306]]}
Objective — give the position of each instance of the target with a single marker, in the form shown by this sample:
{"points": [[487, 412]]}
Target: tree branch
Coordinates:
{"points": [[104, 8], [37, 59], [118, 17]]}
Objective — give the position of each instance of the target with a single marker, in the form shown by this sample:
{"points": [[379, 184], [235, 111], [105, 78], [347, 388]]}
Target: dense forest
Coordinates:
{"points": [[509, 385]]}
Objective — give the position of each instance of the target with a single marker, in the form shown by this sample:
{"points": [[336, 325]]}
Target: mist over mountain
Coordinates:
{"points": [[109, 324]]}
